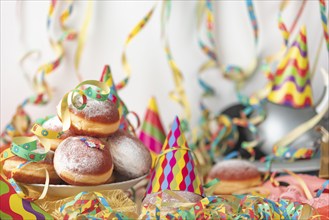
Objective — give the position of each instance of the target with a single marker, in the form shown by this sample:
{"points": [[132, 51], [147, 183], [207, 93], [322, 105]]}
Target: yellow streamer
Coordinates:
{"points": [[179, 94], [82, 39], [131, 35]]}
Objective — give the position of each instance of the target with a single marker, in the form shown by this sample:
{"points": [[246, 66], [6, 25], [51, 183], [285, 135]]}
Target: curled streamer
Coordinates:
{"points": [[178, 94], [141, 24], [324, 21]]}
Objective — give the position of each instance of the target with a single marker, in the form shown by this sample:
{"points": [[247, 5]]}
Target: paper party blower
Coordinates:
{"points": [[291, 83], [175, 168], [152, 133]]}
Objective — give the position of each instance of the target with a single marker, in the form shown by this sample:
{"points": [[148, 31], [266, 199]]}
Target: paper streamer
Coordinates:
{"points": [[226, 137], [285, 32], [324, 21], [26, 148], [106, 204], [210, 50], [43, 92], [82, 37], [301, 183], [236, 73], [322, 189], [253, 19], [206, 9], [141, 24], [18, 126], [292, 135], [228, 207], [97, 208], [103, 93], [178, 94]]}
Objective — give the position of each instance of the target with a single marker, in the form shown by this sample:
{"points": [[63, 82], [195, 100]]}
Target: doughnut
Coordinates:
{"points": [[150, 199], [32, 173], [97, 118], [54, 124], [234, 175], [130, 156], [83, 161]]}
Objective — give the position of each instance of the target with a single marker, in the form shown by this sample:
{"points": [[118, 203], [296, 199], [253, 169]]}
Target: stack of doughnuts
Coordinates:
{"points": [[92, 152]]}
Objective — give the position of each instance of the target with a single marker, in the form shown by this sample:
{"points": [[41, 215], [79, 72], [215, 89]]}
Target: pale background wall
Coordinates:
{"points": [[110, 25]]}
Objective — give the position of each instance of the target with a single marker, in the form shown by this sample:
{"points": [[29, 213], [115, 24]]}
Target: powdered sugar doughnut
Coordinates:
{"points": [[130, 157], [97, 118], [54, 124], [83, 161], [234, 175], [32, 172]]}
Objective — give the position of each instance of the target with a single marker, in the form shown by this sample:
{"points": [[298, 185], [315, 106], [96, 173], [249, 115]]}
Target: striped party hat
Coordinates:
{"points": [[291, 84], [107, 77], [175, 168], [152, 133]]}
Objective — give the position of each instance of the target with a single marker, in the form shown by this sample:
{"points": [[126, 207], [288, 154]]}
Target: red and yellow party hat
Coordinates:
{"points": [[152, 133], [175, 168], [291, 84]]}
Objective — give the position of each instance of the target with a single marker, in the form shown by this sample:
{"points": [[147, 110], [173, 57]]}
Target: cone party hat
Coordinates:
{"points": [[291, 83], [152, 133], [175, 168], [114, 97]]}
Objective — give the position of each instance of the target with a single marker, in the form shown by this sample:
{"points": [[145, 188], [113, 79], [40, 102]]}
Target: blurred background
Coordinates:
{"points": [[23, 28]]}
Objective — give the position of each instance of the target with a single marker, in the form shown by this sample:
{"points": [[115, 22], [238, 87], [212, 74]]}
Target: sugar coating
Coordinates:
{"points": [[53, 124], [234, 170], [130, 157], [95, 109], [73, 155]]}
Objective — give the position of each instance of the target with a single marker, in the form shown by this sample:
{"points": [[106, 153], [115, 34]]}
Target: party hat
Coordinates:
{"points": [[114, 97], [14, 207], [291, 83], [175, 168], [152, 133]]}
